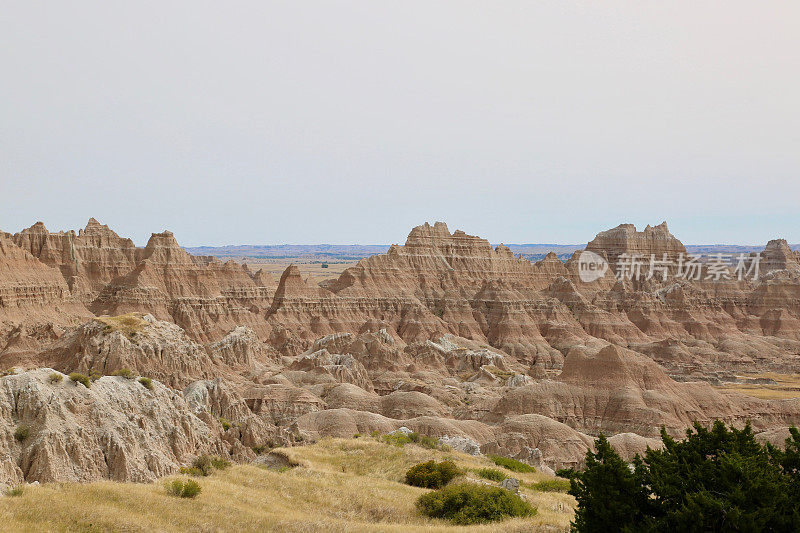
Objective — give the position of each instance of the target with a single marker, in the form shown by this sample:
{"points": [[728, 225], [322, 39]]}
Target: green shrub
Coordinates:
{"points": [[55, 377], [492, 474], [22, 432], [80, 378], [550, 485], [94, 376], [191, 471], [126, 373], [147, 383], [204, 465], [15, 491], [511, 464], [219, 463], [397, 439], [424, 440], [431, 475], [183, 489], [259, 449], [226, 424], [469, 503]]}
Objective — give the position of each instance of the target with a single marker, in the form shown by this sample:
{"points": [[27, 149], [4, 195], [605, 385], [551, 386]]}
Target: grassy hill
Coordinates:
{"points": [[337, 485]]}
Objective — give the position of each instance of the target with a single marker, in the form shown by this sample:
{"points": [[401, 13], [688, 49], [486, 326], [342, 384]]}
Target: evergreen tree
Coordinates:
{"points": [[609, 494], [716, 479]]}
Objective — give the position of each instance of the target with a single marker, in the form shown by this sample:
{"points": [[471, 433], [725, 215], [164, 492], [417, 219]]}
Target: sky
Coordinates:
{"points": [[351, 122]]}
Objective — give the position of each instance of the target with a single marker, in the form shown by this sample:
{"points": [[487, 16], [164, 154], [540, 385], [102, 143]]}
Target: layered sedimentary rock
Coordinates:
{"points": [[88, 260], [445, 335], [204, 296], [618, 390], [26, 284], [624, 239]]}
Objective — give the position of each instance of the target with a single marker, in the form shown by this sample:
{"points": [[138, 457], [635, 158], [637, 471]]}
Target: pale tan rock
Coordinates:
{"points": [[116, 429], [152, 348]]}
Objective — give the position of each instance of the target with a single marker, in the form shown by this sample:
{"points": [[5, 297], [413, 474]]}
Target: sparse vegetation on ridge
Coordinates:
{"points": [[22, 432], [83, 379], [126, 373], [550, 485], [130, 324]]}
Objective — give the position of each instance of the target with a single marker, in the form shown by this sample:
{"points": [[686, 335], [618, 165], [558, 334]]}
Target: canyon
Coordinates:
{"points": [[445, 335]]}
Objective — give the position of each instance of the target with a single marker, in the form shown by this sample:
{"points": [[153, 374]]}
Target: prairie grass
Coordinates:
{"points": [[130, 324], [339, 485], [787, 386]]}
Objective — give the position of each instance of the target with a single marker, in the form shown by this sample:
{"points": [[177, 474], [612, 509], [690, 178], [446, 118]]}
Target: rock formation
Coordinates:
{"points": [[55, 429], [445, 335]]}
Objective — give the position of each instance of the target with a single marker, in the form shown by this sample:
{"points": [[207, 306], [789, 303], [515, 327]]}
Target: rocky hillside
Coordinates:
{"points": [[445, 335]]}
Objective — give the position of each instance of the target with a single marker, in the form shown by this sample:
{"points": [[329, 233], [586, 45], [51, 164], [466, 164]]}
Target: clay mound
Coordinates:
{"points": [[347, 422], [349, 396], [628, 445], [152, 348], [403, 405], [617, 390], [558, 444], [281, 404], [343, 423], [117, 429], [777, 437], [614, 368]]}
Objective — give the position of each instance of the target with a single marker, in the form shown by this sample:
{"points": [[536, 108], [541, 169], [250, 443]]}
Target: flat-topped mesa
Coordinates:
{"points": [[624, 239], [777, 255]]}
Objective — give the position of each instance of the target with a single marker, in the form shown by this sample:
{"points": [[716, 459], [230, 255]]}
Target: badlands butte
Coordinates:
{"points": [[445, 335]]}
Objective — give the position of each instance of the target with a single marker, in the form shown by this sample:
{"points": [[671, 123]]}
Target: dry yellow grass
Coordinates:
{"points": [[340, 485], [129, 324], [314, 269], [787, 386]]}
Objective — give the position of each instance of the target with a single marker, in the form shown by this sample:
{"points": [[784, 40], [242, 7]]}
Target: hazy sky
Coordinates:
{"points": [[342, 122]]}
